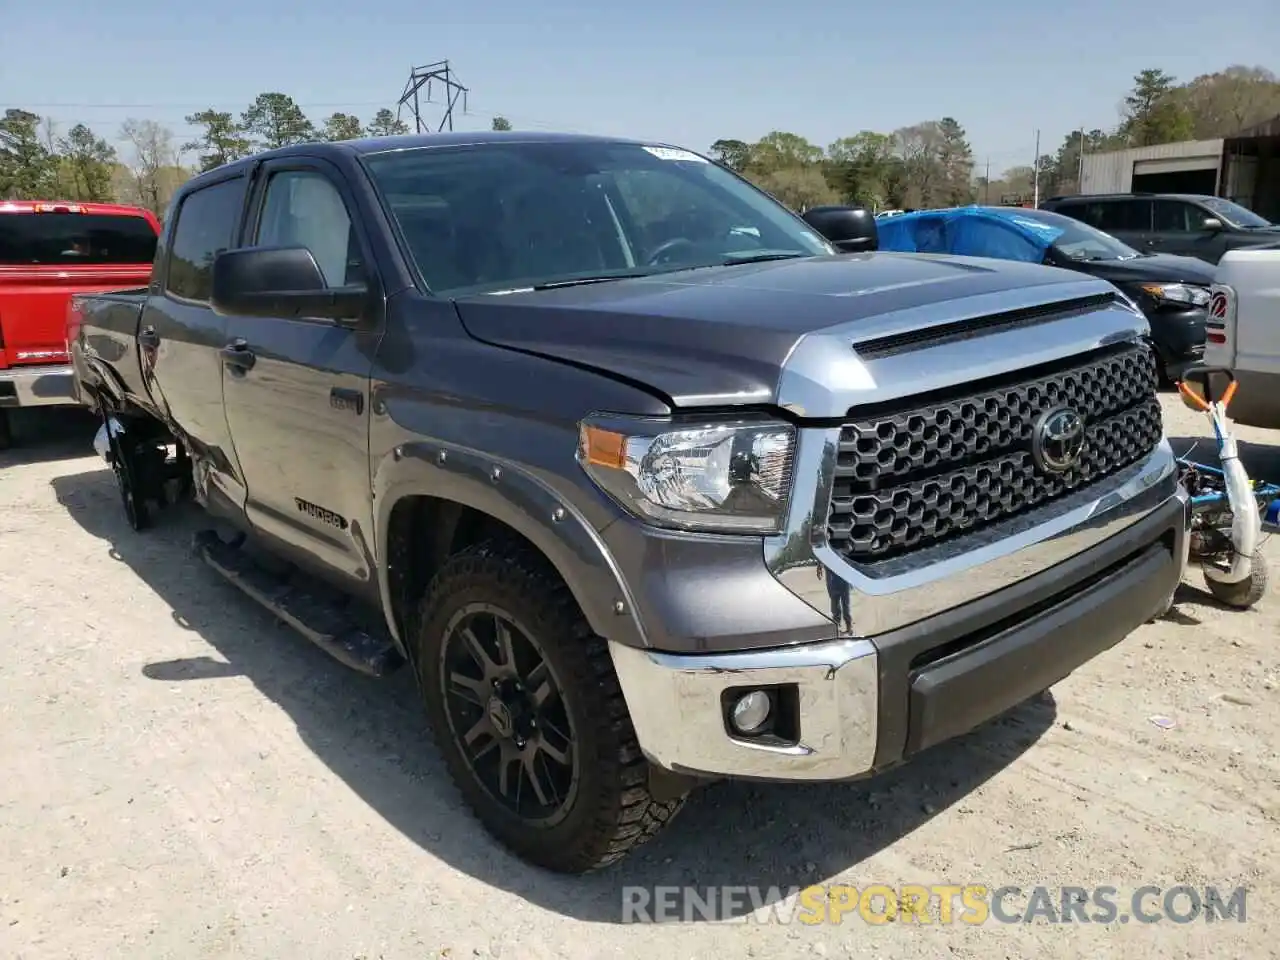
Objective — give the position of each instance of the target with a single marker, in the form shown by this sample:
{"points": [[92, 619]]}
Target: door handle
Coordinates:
{"points": [[149, 338], [238, 356]]}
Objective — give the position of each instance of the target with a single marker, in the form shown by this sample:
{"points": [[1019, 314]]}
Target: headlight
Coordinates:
{"points": [[1178, 293], [728, 477]]}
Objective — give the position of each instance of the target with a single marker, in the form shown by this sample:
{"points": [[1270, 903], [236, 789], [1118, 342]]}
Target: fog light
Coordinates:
{"points": [[751, 711]]}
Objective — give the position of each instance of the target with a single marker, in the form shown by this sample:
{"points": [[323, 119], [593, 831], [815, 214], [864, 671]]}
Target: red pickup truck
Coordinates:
{"points": [[48, 251]]}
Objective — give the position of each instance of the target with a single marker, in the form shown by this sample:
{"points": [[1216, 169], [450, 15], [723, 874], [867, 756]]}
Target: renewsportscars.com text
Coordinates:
{"points": [[970, 904]]}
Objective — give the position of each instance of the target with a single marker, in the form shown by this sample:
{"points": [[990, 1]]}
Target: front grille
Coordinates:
{"points": [[938, 467]]}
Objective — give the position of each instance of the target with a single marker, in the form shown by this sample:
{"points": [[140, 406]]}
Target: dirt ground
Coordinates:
{"points": [[184, 778]]}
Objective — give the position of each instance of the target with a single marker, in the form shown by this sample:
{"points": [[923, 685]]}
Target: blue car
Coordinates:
{"points": [[1172, 291]]}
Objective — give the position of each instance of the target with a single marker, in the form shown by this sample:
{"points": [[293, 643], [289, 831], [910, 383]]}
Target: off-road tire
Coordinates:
{"points": [[1247, 592], [613, 811]]}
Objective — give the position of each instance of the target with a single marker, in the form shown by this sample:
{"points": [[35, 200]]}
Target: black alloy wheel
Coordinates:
{"points": [[507, 714]]}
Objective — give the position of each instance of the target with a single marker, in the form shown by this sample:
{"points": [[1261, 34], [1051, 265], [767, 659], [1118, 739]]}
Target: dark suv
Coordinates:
{"points": [[1192, 225]]}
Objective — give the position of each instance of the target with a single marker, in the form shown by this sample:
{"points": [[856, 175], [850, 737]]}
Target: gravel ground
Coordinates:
{"points": [[185, 778]]}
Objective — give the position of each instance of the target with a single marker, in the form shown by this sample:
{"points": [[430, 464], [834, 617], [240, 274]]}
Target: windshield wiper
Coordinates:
{"points": [[759, 258], [582, 281]]}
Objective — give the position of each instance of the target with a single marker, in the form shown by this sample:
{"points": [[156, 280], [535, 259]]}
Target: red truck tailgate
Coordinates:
{"points": [[48, 251], [33, 307]]}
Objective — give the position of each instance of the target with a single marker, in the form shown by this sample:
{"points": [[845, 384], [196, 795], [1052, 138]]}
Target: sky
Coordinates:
{"points": [[677, 71]]}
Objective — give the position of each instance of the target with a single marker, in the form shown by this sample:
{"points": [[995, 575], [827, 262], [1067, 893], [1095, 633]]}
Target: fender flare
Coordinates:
{"points": [[515, 496]]}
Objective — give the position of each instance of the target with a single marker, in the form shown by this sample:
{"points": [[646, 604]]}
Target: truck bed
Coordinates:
{"points": [[102, 334]]}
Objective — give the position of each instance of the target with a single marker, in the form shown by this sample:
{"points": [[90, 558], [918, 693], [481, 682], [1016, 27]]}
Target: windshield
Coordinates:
{"points": [[71, 238], [495, 217], [1235, 214], [1079, 241]]}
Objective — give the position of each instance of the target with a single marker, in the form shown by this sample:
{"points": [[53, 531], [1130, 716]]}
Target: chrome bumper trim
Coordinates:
{"points": [[42, 386], [675, 706], [947, 576]]}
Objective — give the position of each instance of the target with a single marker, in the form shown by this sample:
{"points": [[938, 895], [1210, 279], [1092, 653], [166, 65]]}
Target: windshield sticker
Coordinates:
{"points": [[672, 153]]}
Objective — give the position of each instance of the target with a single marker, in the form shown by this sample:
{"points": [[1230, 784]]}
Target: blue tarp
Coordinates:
{"points": [[969, 231]]}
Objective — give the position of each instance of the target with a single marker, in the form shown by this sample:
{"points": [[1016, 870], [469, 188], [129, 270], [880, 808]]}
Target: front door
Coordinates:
{"points": [[297, 389], [1178, 227]]}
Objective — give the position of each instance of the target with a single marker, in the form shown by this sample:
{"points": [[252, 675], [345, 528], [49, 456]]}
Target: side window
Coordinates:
{"points": [[1174, 216], [304, 209], [206, 226], [1114, 215]]}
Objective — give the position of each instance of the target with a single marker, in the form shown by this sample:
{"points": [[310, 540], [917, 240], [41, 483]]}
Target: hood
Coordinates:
{"points": [[720, 335], [1155, 268]]}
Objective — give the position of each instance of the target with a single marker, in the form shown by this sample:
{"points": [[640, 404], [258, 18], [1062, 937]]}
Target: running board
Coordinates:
{"points": [[307, 608]]}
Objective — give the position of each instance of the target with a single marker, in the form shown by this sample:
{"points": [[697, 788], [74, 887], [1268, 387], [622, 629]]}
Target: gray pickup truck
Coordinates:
{"points": [[649, 480]]}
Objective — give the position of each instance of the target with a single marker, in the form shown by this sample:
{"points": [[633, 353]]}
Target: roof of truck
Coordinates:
{"points": [[372, 145], [71, 206]]}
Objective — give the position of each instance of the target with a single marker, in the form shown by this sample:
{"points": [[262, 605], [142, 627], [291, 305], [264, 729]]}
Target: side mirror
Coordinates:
{"points": [[849, 229], [280, 282], [1211, 224]]}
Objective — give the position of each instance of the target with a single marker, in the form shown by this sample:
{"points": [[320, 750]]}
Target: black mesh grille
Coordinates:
{"points": [[908, 478]]}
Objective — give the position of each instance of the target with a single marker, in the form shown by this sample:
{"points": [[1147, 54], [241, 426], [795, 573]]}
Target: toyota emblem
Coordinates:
{"points": [[1058, 440]]}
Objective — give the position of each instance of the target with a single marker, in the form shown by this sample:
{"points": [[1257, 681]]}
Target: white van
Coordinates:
{"points": [[1243, 332]]}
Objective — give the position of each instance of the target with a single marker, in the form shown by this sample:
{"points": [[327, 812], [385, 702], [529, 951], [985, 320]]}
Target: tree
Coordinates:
{"points": [[28, 168], [154, 163], [1153, 112], [919, 148], [386, 124], [277, 121], [734, 154], [342, 126], [89, 162], [955, 163], [780, 150], [501, 123], [222, 141], [1224, 103], [797, 187], [861, 167]]}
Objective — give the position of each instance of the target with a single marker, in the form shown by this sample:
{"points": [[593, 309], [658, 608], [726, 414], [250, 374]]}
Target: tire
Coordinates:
{"points": [[607, 810], [1247, 592], [124, 465], [6, 431]]}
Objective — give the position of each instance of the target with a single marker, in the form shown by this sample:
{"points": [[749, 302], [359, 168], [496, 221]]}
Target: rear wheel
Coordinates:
{"points": [[124, 464], [6, 431], [529, 715]]}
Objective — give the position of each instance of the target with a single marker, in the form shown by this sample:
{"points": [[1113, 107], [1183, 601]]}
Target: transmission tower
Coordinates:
{"points": [[420, 77]]}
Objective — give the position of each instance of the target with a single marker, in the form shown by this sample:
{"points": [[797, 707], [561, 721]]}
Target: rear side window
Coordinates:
{"points": [[75, 238], [206, 226], [1119, 215]]}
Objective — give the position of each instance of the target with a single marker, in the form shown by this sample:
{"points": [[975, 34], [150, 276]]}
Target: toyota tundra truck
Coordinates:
{"points": [[647, 479], [49, 250]]}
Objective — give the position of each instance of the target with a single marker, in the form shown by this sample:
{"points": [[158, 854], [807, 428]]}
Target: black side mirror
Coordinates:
{"points": [[281, 282], [849, 229]]}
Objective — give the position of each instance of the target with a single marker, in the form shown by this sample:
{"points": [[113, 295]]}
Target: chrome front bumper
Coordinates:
{"points": [[44, 386], [867, 704]]}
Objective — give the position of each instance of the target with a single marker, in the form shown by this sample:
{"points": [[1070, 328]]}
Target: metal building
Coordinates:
{"points": [[1244, 168]]}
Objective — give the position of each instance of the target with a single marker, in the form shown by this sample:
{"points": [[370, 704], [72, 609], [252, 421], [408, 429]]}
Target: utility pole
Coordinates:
{"points": [[1035, 190], [1080, 170], [419, 77], [986, 185]]}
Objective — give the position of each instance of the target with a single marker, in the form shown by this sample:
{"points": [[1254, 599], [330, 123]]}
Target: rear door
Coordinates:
{"points": [[50, 251], [181, 338], [1127, 219], [297, 388]]}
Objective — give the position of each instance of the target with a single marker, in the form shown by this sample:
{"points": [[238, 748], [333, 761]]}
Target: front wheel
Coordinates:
{"points": [[527, 710], [1248, 591]]}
